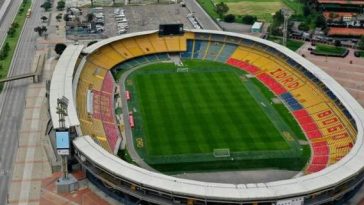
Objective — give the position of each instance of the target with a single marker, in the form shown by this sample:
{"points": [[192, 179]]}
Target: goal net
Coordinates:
{"points": [[225, 152], [182, 70]]}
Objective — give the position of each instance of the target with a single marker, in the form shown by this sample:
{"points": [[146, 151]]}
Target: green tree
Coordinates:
{"points": [[278, 18], [44, 18], [46, 5], [337, 43], [11, 31], [59, 17], [321, 21], [6, 47], [15, 24], [229, 18], [361, 43], [4, 51], [90, 17], [40, 30], [59, 48], [306, 10], [249, 19], [221, 9], [60, 5], [303, 27]]}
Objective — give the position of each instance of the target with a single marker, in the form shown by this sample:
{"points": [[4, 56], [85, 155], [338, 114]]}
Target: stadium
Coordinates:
{"points": [[197, 100]]}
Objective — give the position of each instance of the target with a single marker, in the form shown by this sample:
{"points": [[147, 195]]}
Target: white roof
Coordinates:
{"points": [[257, 25], [351, 164], [61, 85]]}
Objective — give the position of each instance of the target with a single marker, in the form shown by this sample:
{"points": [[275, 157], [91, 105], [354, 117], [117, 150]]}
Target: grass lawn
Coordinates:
{"points": [[291, 44], [361, 53], [182, 117], [263, 9], [20, 19], [294, 5], [326, 49], [209, 7]]}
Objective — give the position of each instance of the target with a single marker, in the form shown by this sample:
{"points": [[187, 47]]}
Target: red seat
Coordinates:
{"points": [[300, 113], [242, 65], [309, 127], [320, 159], [315, 168], [322, 150], [314, 134]]}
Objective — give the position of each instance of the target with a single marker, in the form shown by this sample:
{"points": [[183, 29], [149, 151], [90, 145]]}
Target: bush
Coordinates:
{"points": [[248, 19], [229, 18]]}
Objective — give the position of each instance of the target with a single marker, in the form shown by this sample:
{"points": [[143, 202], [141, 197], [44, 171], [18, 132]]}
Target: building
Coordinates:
{"points": [[257, 27]]}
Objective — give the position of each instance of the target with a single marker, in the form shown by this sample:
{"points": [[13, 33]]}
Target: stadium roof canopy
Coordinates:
{"points": [[335, 174], [61, 85]]}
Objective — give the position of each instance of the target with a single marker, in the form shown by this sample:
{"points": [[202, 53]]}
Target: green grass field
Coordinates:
{"points": [[263, 9], [181, 117]]}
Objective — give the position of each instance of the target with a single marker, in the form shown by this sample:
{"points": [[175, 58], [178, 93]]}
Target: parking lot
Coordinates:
{"points": [[141, 18], [112, 21]]}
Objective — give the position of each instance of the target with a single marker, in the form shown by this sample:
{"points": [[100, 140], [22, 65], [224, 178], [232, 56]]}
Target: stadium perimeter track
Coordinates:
{"points": [[329, 184]]}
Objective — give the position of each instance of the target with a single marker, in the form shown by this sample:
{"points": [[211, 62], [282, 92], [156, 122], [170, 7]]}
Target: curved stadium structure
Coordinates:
{"points": [[328, 115]]}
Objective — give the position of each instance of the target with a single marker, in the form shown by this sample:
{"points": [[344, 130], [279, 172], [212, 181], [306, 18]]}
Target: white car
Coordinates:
{"points": [[121, 31], [121, 20], [120, 16]]}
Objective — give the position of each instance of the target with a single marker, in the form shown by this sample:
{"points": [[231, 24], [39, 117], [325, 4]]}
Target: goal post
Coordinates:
{"points": [[222, 152]]}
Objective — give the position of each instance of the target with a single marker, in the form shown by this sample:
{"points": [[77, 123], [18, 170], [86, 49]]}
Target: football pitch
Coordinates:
{"points": [[206, 116]]}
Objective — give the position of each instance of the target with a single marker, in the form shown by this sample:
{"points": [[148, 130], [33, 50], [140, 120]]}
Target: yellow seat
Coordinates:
{"points": [[81, 100], [104, 143], [307, 95], [93, 75], [106, 57]]}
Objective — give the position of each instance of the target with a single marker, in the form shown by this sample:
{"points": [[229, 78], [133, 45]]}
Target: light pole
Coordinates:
{"points": [[286, 14], [62, 104]]}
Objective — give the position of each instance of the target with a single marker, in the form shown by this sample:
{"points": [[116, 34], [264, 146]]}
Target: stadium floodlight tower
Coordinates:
{"points": [[62, 104], [66, 183], [286, 14]]}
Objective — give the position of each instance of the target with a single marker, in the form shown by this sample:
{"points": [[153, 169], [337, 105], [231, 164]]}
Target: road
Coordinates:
{"points": [[12, 99], [203, 18]]}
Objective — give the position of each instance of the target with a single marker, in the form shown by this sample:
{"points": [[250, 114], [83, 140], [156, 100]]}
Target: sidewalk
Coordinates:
{"points": [[31, 164]]}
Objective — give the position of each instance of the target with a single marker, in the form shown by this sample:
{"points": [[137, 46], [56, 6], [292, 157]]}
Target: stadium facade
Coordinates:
{"points": [[330, 117]]}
